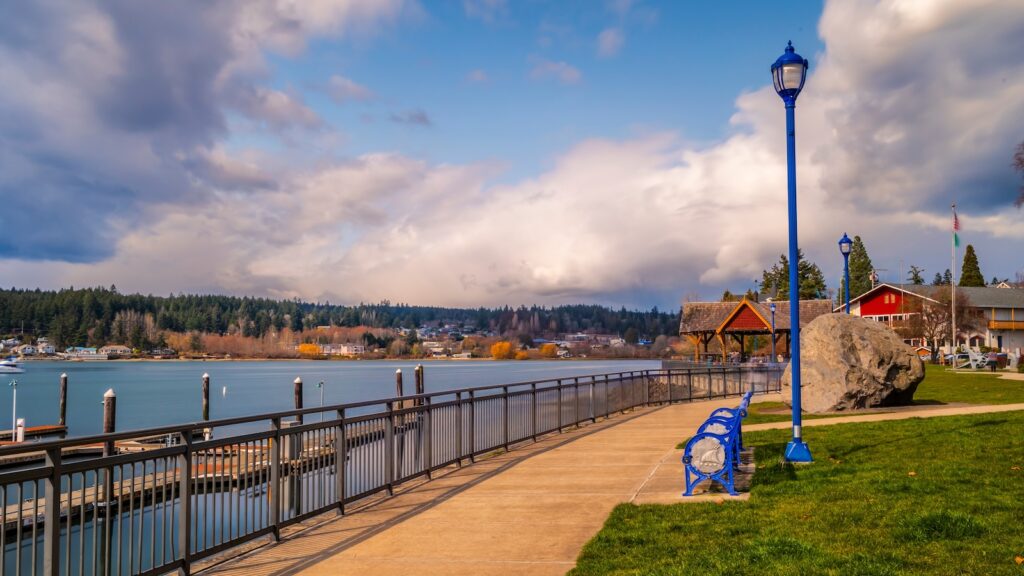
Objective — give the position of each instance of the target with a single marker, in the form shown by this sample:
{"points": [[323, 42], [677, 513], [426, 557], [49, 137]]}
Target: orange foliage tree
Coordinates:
{"points": [[502, 350], [549, 350], [522, 355], [309, 350]]}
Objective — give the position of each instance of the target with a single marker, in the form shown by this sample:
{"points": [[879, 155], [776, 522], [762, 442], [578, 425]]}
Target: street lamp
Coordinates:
{"points": [[845, 244], [771, 306], [788, 75]]}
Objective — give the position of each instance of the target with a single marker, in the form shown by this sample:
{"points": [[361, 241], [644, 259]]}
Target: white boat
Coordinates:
{"points": [[9, 366]]}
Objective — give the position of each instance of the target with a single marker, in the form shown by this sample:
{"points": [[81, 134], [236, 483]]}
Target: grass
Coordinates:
{"points": [[918, 496], [940, 386]]}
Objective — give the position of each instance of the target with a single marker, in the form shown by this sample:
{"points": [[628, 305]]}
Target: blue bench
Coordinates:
{"points": [[714, 451]]}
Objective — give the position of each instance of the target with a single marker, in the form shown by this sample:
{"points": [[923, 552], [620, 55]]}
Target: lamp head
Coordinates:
{"points": [[788, 74], [772, 307], [845, 245]]}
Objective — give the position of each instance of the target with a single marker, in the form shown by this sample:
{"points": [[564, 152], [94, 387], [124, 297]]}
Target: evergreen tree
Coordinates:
{"points": [[860, 268], [970, 273], [947, 277], [937, 281], [914, 276], [775, 282]]}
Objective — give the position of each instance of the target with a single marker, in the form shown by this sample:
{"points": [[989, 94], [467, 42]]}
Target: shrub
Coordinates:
{"points": [[502, 351], [522, 355]]}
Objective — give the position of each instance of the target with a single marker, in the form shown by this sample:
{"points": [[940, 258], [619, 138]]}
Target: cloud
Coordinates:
{"points": [[489, 11], [343, 89], [901, 115], [106, 102], [477, 76], [561, 71], [609, 42], [414, 117]]}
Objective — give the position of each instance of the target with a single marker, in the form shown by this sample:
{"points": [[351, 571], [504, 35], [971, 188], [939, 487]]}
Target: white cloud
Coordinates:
{"points": [[477, 76], [489, 11], [277, 109], [903, 113], [344, 89], [561, 71], [610, 41]]}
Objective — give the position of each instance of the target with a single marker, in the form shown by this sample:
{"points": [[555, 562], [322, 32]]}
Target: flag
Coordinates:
{"points": [[956, 228]]}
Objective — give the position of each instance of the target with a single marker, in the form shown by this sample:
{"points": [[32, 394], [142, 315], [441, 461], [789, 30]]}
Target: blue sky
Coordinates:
{"points": [[491, 152]]}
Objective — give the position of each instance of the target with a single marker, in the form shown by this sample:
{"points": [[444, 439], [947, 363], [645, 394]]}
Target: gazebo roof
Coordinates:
{"points": [[704, 317]]}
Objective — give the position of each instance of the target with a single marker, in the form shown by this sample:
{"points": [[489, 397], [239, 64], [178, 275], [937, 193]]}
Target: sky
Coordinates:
{"points": [[491, 152]]}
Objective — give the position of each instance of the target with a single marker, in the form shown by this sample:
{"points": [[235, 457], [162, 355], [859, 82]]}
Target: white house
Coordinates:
{"points": [[44, 347], [26, 350], [116, 350]]}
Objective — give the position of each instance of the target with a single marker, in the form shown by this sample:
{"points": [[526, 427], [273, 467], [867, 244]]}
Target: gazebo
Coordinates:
{"points": [[703, 322]]}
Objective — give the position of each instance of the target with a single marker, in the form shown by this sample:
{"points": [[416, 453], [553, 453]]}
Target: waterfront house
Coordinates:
{"points": [[25, 350], [116, 351], [44, 347]]}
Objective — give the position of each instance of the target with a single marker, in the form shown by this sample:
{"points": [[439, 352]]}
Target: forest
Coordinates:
{"points": [[98, 316]]}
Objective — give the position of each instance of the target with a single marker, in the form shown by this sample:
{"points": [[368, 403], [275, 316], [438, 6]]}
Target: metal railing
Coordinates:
{"points": [[159, 500]]}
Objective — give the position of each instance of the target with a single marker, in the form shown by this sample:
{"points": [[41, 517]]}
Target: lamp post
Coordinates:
{"points": [[771, 306], [788, 75], [845, 244]]}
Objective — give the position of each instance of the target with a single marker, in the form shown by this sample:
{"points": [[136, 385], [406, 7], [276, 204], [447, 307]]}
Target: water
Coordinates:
{"points": [[170, 392]]}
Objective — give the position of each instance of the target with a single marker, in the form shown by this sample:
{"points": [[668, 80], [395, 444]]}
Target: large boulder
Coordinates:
{"points": [[848, 363]]}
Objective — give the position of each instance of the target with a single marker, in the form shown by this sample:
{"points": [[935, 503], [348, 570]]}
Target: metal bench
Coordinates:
{"points": [[713, 453]]}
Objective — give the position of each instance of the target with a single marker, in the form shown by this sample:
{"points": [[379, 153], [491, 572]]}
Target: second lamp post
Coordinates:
{"points": [[844, 248]]}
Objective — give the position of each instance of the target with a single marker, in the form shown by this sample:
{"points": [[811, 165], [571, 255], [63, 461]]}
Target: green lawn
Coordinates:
{"points": [[939, 386], [918, 496]]}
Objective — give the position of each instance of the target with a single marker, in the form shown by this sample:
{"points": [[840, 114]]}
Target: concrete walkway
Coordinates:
{"points": [[529, 511]]}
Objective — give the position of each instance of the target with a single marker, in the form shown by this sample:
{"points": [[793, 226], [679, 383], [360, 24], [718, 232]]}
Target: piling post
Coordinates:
{"points": [[206, 397], [420, 385], [109, 419], [298, 399], [63, 421], [398, 384]]}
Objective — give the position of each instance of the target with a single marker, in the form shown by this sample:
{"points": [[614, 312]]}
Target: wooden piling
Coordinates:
{"points": [[298, 399], [398, 383], [62, 421], [109, 419], [206, 397], [420, 386]]}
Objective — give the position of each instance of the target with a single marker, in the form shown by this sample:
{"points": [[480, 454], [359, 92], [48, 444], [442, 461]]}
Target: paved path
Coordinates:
{"points": [[529, 511]]}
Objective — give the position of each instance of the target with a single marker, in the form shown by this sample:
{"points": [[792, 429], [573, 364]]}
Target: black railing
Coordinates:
{"points": [[170, 496]]}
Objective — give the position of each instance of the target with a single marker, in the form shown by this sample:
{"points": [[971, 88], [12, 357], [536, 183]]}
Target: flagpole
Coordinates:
{"points": [[952, 283]]}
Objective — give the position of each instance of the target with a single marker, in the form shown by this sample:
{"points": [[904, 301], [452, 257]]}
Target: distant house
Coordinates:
{"points": [[26, 350], [44, 347], [346, 349], [116, 350]]}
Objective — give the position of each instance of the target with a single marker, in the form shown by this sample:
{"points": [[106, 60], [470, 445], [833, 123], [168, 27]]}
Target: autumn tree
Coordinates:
{"points": [[502, 350], [309, 350], [775, 282], [1018, 165], [549, 350], [936, 317], [970, 272]]}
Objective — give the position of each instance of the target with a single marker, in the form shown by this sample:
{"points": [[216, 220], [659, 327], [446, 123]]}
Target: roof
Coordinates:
{"points": [[979, 296], [708, 316]]}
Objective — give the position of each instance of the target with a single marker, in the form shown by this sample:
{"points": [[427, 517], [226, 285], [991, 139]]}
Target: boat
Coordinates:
{"points": [[10, 366]]}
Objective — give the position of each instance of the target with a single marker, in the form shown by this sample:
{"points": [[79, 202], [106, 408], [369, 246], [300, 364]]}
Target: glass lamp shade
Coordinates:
{"points": [[789, 73], [772, 307], [845, 244]]}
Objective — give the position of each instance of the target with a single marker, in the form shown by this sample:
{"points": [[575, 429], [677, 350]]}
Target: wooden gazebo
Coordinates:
{"points": [[703, 322]]}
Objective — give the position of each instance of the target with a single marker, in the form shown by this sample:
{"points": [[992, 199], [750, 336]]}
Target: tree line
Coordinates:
{"points": [[98, 316]]}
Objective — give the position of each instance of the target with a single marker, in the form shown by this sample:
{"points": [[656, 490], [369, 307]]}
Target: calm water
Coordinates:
{"points": [[160, 393]]}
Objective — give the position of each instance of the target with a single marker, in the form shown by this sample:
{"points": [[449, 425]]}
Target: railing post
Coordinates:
{"points": [[275, 479], [576, 400], [185, 501], [51, 526], [559, 382], [689, 385], [427, 448], [472, 427], [458, 429], [607, 399], [389, 450], [340, 457], [669, 380], [711, 383], [593, 405], [533, 409], [504, 391]]}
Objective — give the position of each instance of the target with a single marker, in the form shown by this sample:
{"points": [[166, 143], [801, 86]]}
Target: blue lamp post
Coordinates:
{"points": [[788, 75], [845, 245], [771, 306]]}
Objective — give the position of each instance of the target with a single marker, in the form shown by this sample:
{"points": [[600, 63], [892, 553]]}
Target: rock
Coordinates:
{"points": [[849, 363]]}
